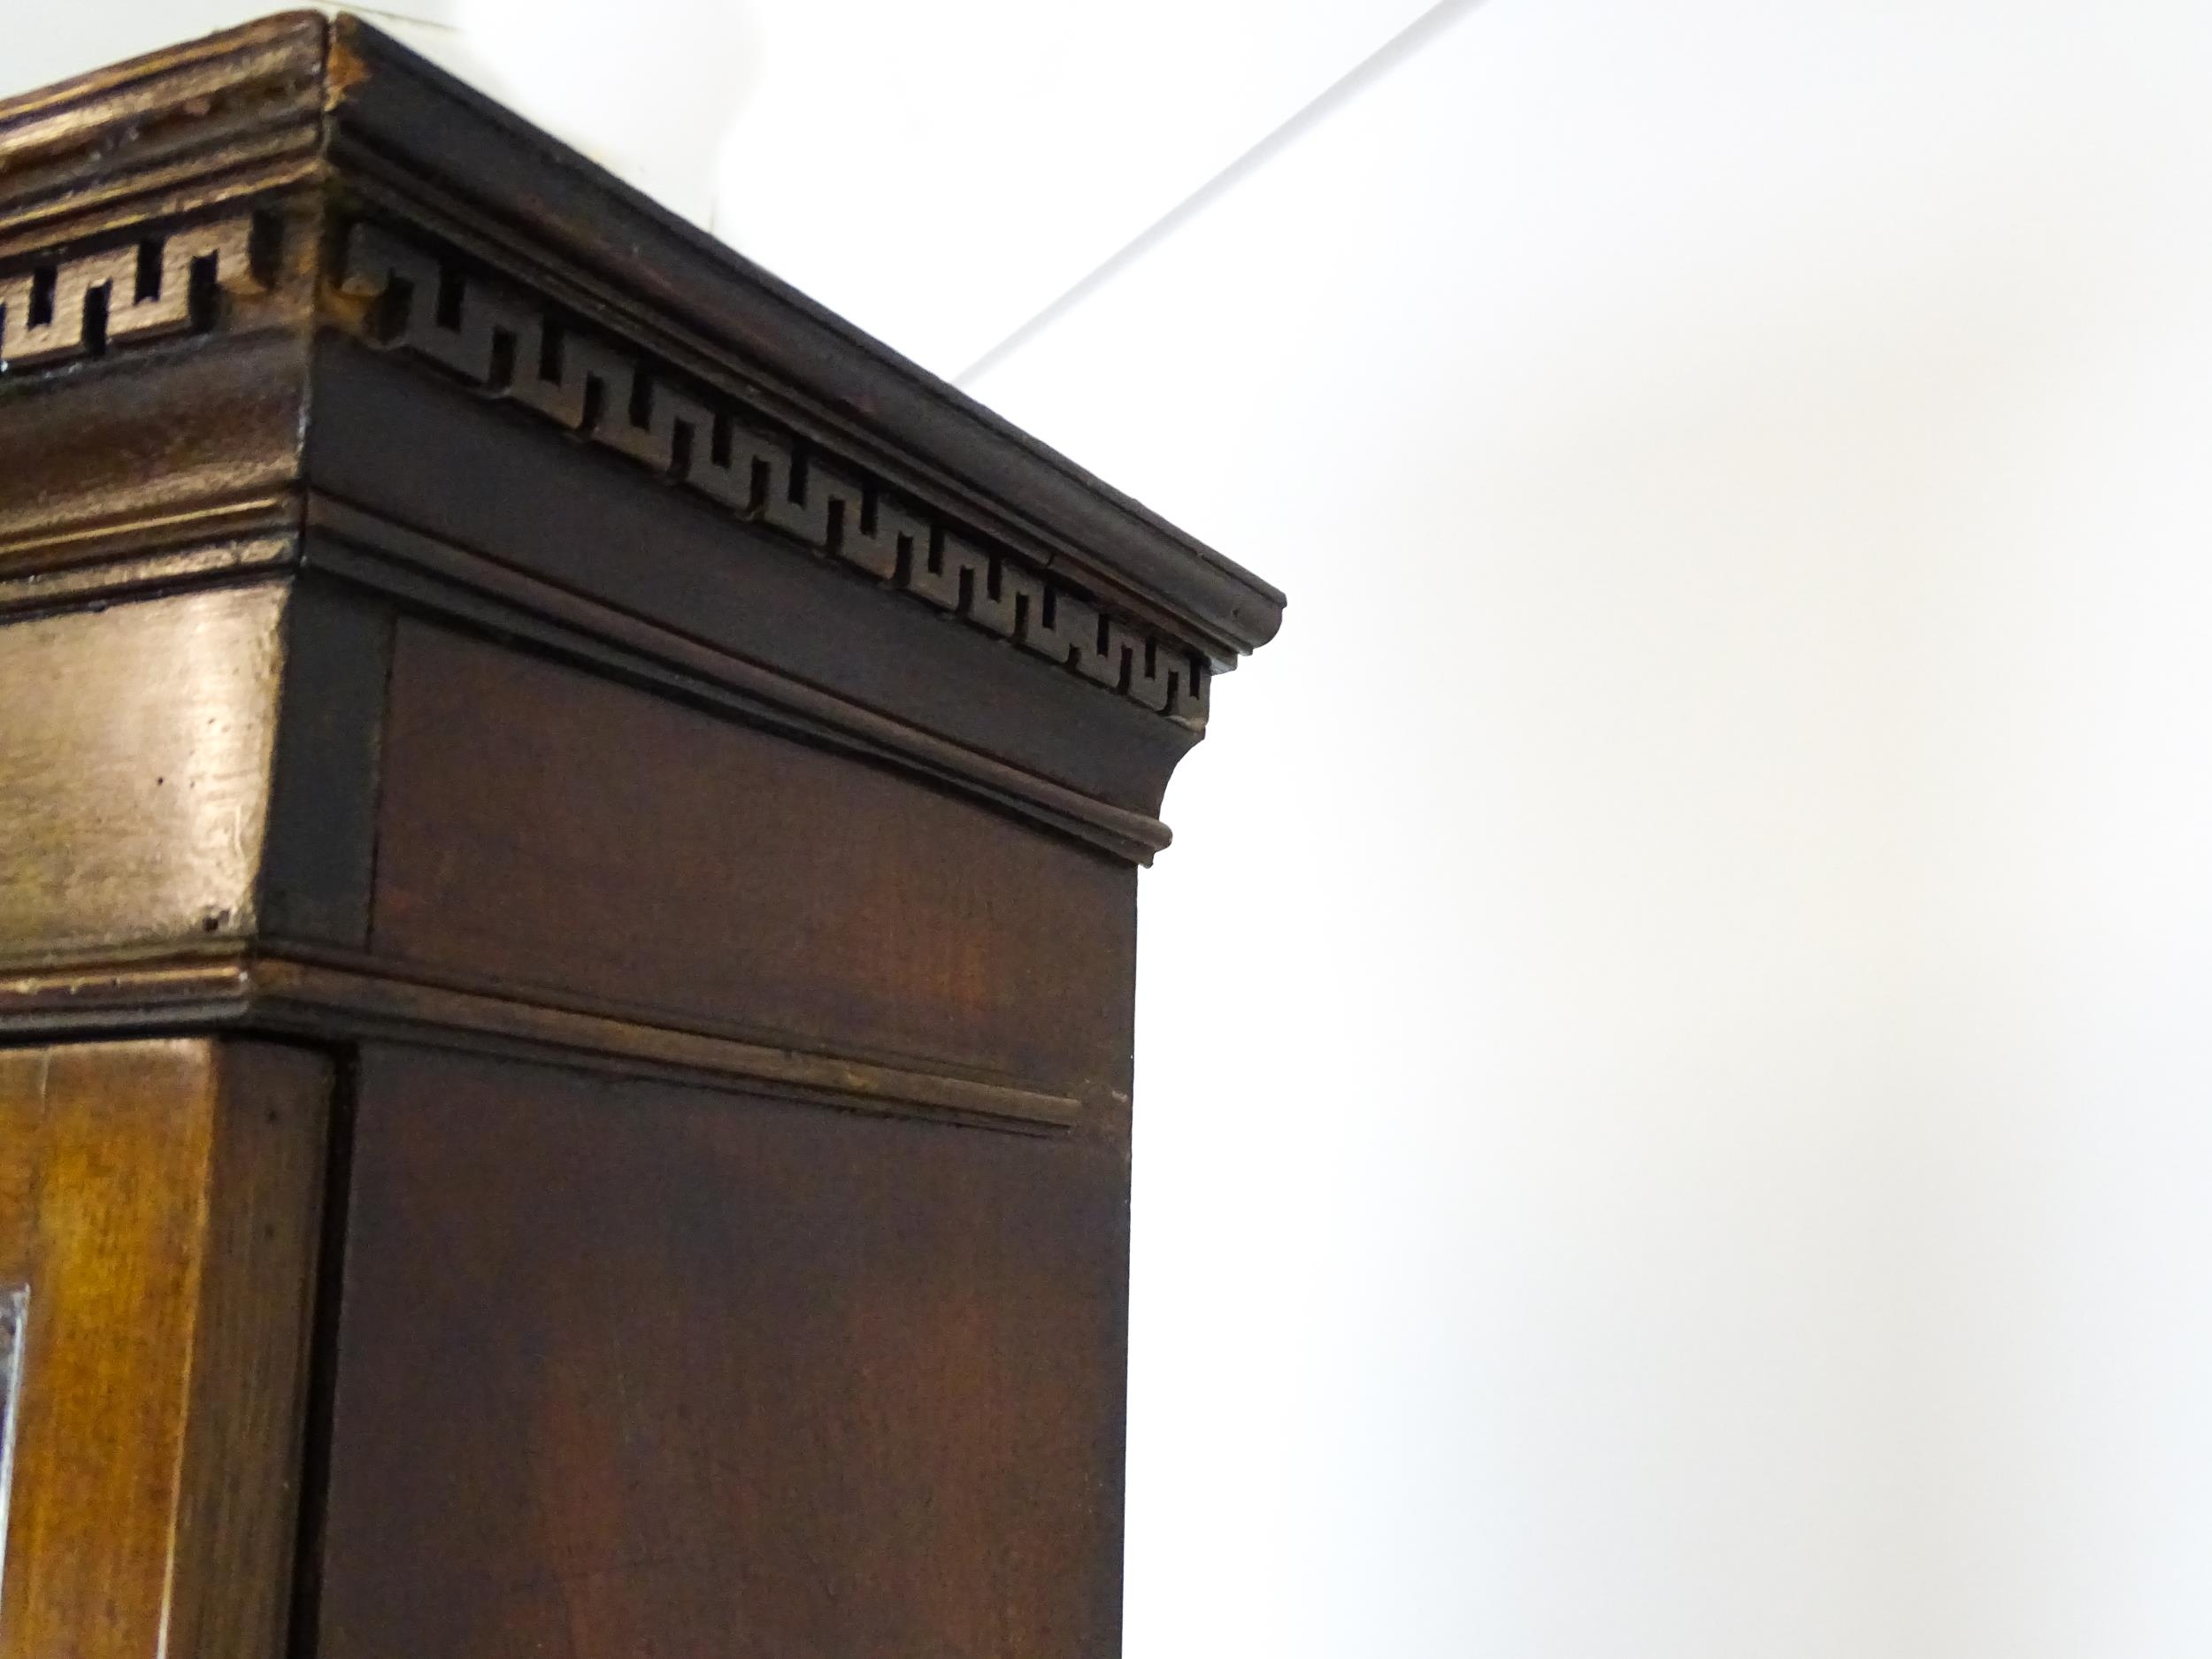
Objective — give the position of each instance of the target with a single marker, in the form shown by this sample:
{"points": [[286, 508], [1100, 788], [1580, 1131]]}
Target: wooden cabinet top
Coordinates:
{"points": [[238, 212], [440, 588]]}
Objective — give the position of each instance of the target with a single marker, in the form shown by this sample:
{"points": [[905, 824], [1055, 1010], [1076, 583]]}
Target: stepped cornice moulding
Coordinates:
{"points": [[371, 128]]}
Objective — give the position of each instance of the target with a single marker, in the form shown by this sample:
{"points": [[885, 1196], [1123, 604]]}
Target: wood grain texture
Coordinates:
{"points": [[541, 826], [133, 766], [160, 1200], [625, 1369]]}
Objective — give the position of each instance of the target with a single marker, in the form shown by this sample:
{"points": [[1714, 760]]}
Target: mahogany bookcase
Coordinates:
{"points": [[567, 911]]}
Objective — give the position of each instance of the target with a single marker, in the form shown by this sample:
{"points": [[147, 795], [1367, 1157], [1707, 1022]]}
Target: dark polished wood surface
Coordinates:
{"points": [[401, 467], [567, 919], [624, 1368], [865, 908]]}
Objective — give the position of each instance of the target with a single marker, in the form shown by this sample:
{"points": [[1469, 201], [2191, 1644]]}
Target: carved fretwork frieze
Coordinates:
{"points": [[171, 283], [507, 344]]}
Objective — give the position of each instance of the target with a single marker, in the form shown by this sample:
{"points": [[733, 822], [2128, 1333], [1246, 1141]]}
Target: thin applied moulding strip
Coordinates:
{"points": [[304, 991]]}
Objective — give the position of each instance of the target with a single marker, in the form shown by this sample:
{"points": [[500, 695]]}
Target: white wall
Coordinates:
{"points": [[1677, 1085], [1676, 1061], [936, 173]]}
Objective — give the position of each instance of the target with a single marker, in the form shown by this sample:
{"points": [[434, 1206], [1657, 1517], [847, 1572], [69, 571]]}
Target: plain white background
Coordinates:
{"points": [[1675, 1071]]}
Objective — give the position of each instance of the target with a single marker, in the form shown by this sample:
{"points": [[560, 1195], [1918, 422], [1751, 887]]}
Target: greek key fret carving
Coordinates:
{"points": [[162, 286], [507, 345]]}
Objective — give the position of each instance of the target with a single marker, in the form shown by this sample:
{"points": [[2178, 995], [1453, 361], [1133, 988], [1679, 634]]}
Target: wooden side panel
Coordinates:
{"points": [[628, 1369], [544, 828], [133, 770], [160, 1202]]}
